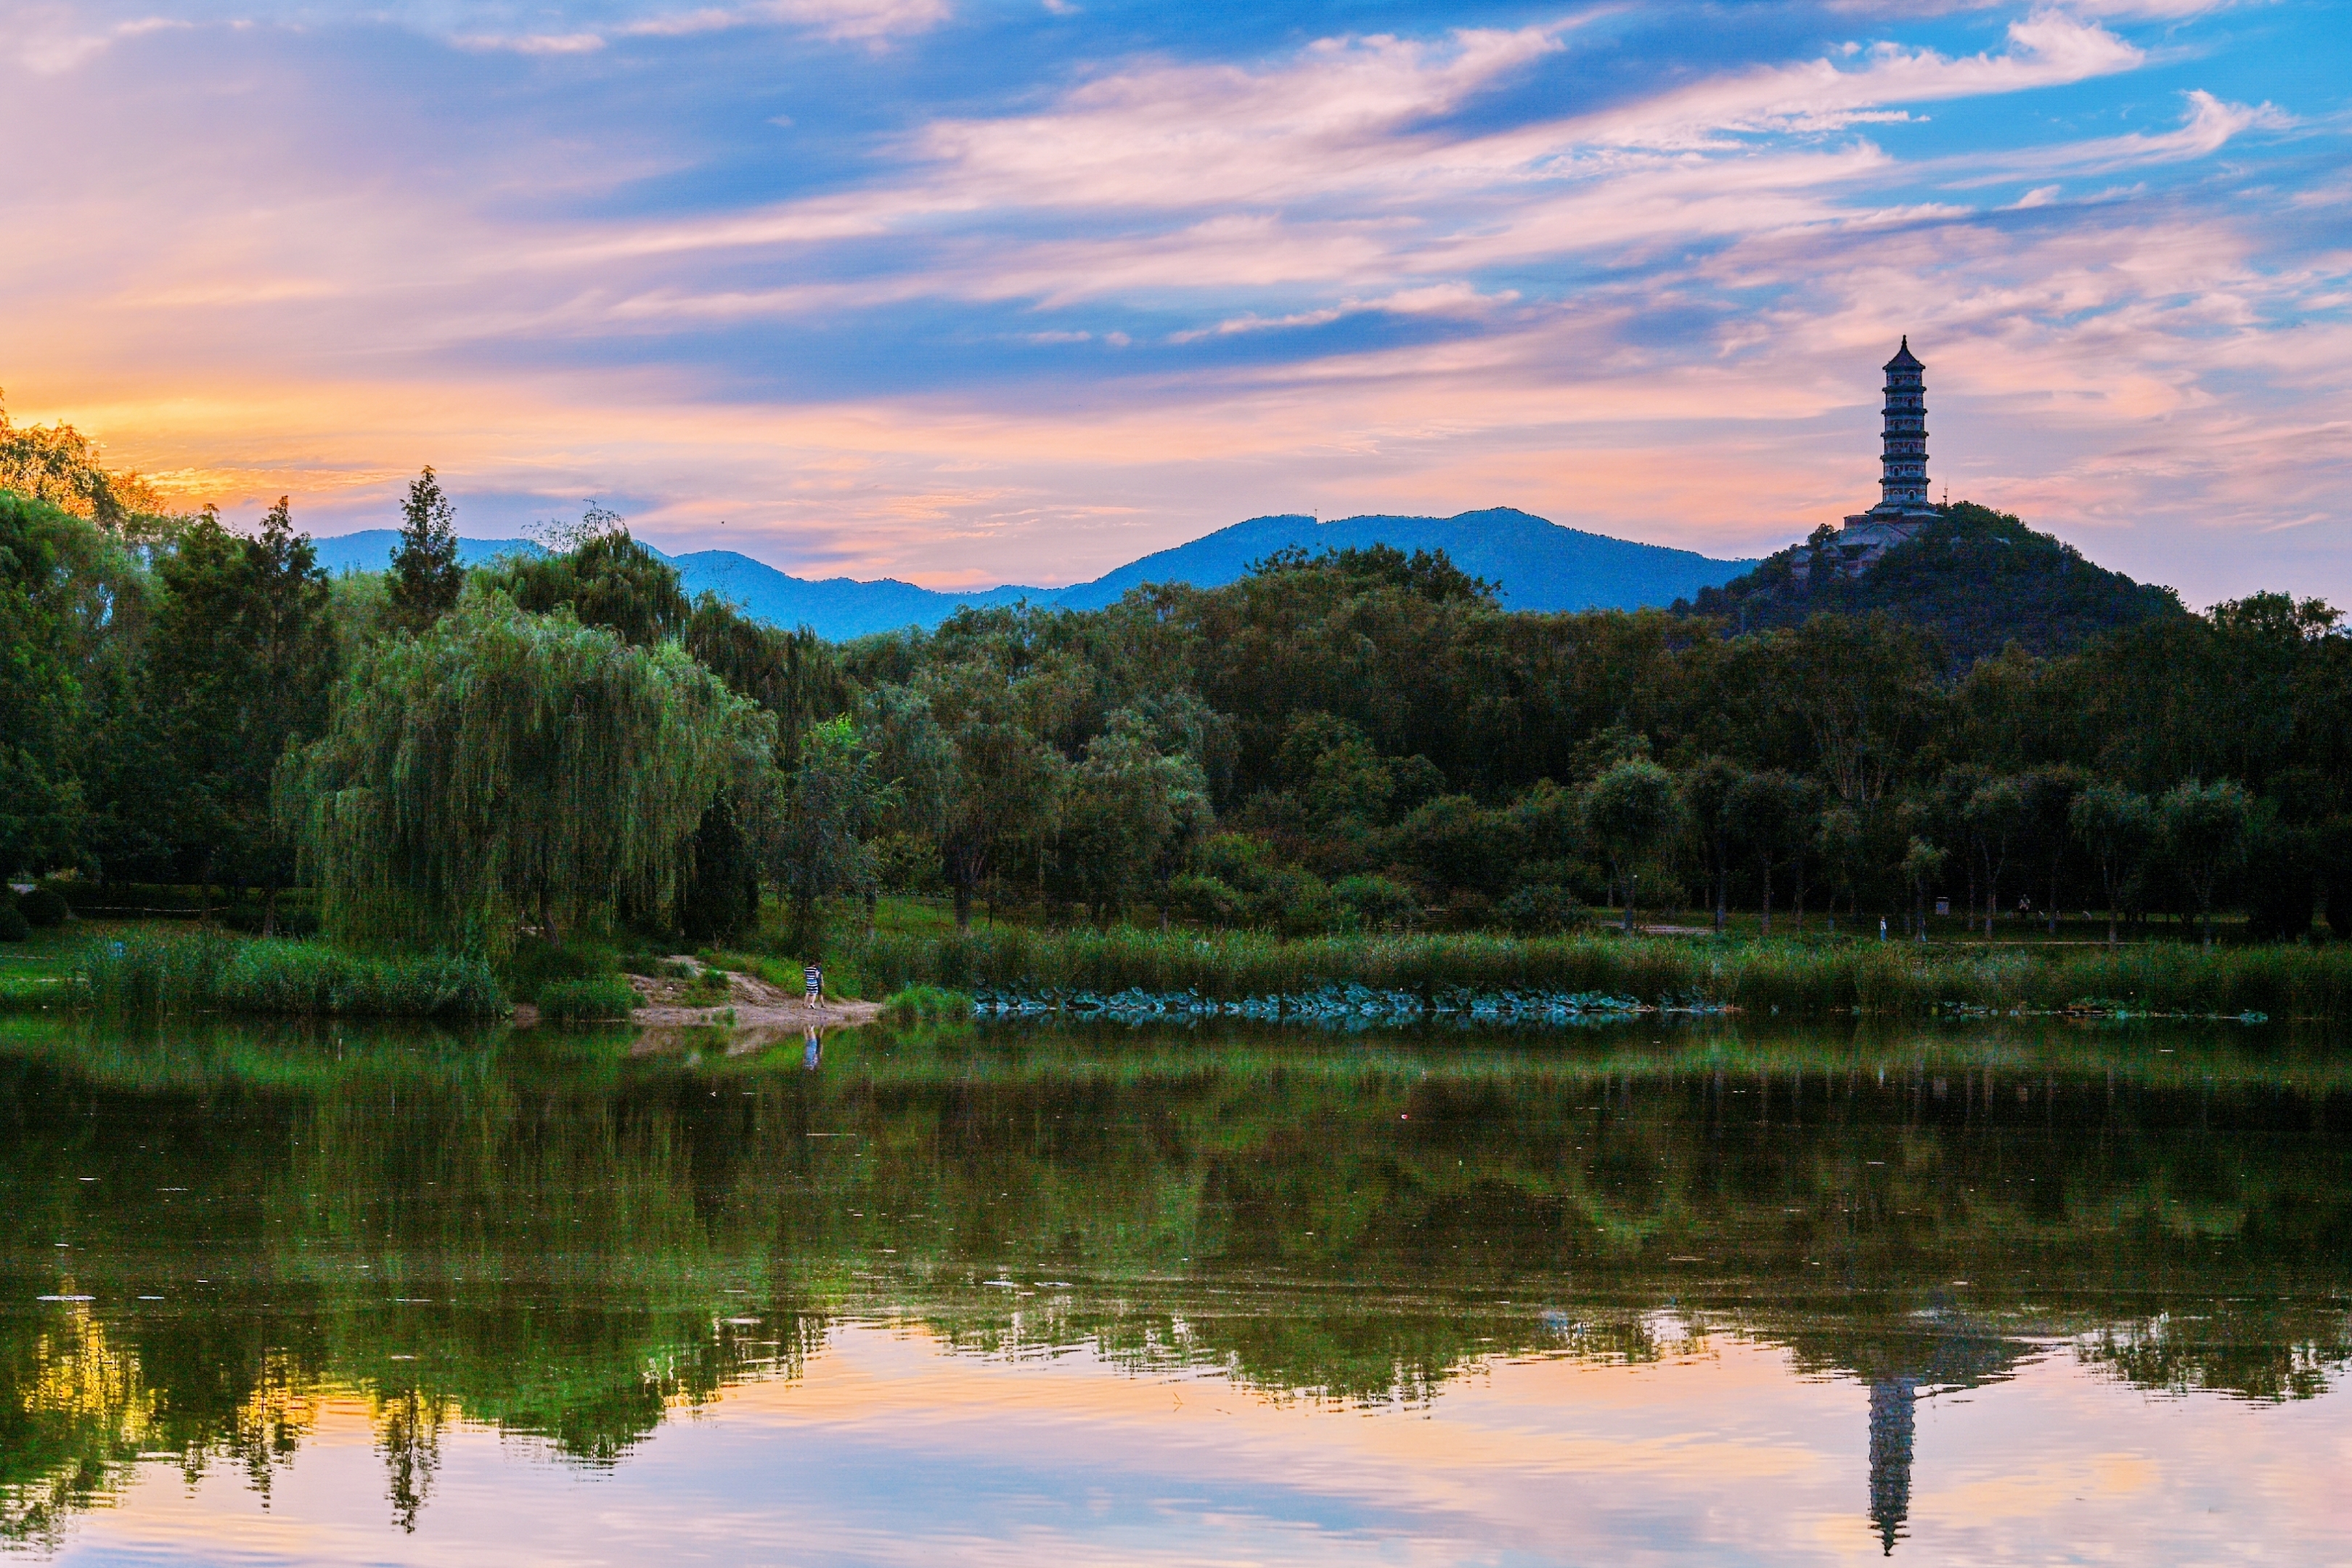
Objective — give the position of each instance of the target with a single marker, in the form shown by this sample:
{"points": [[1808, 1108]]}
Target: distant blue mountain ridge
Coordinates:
{"points": [[1540, 565]]}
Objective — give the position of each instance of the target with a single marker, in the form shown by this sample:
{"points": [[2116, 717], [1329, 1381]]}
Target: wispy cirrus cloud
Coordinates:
{"points": [[1369, 113], [1437, 300], [861, 21], [1343, 166], [2045, 49], [52, 37], [1344, 109], [49, 39], [531, 43], [2206, 128], [1352, 131]]}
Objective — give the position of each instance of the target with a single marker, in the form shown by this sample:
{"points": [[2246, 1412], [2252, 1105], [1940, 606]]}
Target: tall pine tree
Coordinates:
{"points": [[426, 576]]}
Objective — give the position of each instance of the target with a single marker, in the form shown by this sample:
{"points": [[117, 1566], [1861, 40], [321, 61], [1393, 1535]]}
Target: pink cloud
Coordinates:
{"points": [[1349, 116], [2046, 49]]}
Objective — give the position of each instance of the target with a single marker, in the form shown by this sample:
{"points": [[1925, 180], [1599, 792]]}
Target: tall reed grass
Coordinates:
{"points": [[604, 997], [927, 1006], [1898, 978], [149, 973]]}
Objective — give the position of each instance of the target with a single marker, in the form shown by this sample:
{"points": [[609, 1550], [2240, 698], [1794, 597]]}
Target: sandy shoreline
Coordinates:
{"points": [[751, 1005], [784, 1016]]}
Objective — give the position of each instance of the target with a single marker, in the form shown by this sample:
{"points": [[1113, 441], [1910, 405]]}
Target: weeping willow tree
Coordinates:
{"points": [[507, 767]]}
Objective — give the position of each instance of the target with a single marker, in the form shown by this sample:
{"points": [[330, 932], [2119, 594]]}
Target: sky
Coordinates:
{"points": [[975, 292]]}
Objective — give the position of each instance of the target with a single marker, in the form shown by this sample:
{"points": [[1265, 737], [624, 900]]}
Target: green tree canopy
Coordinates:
{"points": [[1864, 688], [1997, 815], [2048, 829], [2205, 828], [1922, 862], [792, 675], [718, 888], [1708, 789], [832, 798], [238, 666], [1130, 811], [1773, 817], [41, 689], [1632, 811], [1004, 784], [1338, 776], [2117, 827], [605, 578], [60, 466], [1427, 573], [1979, 579]]}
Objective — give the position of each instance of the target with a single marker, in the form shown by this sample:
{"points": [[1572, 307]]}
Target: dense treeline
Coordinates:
{"points": [[1379, 744], [1362, 740]]}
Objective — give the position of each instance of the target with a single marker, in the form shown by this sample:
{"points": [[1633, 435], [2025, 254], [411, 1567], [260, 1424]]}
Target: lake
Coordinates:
{"points": [[1980, 1291]]}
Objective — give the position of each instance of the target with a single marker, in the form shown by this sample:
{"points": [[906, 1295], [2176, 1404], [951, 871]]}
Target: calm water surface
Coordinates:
{"points": [[1974, 1293]]}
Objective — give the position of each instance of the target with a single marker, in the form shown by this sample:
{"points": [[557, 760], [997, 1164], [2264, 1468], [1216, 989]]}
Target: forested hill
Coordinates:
{"points": [[1980, 579], [371, 548], [1538, 565]]}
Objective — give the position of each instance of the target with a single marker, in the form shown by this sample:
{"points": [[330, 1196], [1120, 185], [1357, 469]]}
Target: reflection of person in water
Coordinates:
{"points": [[814, 1051]]}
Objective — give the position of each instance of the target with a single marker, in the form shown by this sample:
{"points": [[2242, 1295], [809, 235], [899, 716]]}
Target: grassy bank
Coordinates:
{"points": [[33, 972], [1891, 978], [150, 970], [146, 973]]}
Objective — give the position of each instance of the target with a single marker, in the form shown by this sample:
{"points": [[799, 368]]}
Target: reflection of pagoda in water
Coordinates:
{"points": [[1946, 1354], [1894, 1419]]}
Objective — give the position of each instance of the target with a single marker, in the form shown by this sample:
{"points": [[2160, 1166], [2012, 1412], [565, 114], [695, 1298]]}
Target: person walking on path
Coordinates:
{"points": [[815, 976]]}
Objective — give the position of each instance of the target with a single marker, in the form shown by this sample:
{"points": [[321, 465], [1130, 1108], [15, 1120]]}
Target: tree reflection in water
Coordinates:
{"points": [[563, 1240]]}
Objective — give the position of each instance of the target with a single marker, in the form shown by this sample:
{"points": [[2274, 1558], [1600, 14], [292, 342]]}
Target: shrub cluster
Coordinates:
{"points": [[1239, 883], [528, 968], [43, 909]]}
